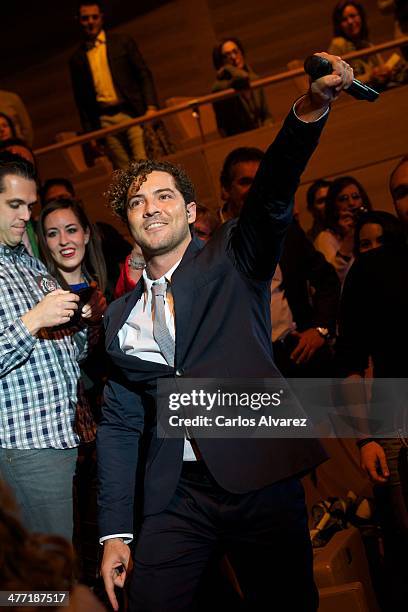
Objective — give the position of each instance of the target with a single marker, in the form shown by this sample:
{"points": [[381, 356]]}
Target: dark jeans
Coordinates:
{"points": [[264, 534]]}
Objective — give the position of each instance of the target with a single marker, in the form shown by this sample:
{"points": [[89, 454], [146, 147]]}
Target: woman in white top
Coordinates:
{"points": [[346, 199]]}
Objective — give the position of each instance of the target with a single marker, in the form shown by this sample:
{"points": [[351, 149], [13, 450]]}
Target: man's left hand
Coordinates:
{"points": [[309, 342]]}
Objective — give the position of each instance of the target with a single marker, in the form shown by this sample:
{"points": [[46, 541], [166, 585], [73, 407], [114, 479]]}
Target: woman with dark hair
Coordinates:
{"points": [[72, 252], [375, 229], [351, 34], [246, 111], [345, 201], [7, 128]]}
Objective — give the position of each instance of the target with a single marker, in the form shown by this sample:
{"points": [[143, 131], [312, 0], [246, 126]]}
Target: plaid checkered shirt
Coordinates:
{"points": [[38, 374]]}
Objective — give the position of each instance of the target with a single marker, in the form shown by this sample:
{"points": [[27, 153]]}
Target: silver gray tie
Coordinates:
{"points": [[160, 330]]}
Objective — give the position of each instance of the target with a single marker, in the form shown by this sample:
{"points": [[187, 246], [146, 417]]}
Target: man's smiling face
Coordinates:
{"points": [[157, 214]]}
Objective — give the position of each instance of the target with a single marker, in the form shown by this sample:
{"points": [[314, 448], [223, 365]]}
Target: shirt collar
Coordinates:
{"points": [[148, 282], [12, 252]]}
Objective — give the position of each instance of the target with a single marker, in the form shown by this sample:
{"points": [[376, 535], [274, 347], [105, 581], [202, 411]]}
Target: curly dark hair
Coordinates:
{"points": [[117, 192], [31, 561]]}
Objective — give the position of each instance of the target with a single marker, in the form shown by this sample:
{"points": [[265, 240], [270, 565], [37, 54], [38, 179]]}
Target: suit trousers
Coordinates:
{"points": [[264, 534], [126, 145]]}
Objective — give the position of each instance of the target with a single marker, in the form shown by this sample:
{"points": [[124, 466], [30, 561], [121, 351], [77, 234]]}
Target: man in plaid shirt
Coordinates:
{"points": [[38, 366]]}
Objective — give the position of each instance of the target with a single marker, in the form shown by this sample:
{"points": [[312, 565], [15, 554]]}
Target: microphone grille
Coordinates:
{"points": [[317, 67]]}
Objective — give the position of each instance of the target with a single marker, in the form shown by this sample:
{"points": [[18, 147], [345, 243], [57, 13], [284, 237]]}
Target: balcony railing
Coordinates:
{"points": [[195, 103]]}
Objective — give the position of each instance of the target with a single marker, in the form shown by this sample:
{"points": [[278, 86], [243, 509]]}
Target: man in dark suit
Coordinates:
{"points": [[203, 312], [111, 84]]}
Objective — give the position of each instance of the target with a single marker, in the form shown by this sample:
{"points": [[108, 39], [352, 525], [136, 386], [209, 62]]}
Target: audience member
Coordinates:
{"points": [[115, 250], [236, 177], [316, 205], [207, 221], [345, 201], [400, 10], [12, 105], [399, 190], [7, 129], [375, 229], [37, 562], [111, 84], [56, 188], [302, 323], [39, 372], [130, 272], [72, 252], [374, 302], [249, 109], [351, 34], [18, 147]]}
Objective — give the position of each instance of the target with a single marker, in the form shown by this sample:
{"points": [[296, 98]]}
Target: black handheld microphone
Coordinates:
{"points": [[317, 67]]}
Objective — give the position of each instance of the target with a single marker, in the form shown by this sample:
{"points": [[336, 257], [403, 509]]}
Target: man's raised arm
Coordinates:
{"points": [[267, 212]]}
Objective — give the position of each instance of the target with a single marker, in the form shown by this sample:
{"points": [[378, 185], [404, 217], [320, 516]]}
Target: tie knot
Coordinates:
{"points": [[159, 289]]}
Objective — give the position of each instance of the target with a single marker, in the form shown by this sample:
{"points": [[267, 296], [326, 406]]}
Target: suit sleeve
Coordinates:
{"points": [[87, 121], [118, 438], [143, 73], [258, 237]]}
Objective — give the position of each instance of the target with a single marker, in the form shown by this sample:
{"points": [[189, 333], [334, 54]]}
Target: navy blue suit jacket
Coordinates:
{"points": [[221, 297]]}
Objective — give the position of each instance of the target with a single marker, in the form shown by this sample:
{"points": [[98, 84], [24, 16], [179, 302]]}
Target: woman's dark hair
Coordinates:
{"points": [[331, 211], [11, 125], [217, 56], [393, 231], [93, 264], [337, 18]]}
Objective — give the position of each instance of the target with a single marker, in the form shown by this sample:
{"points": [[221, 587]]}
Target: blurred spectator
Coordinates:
{"points": [[115, 250], [37, 562], [39, 372], [111, 84], [375, 229], [246, 111], [130, 272], [7, 129], [400, 10], [373, 324], [305, 290], [345, 201], [207, 221], [55, 188], [12, 106], [236, 177], [399, 190], [19, 147], [351, 34], [316, 205]]}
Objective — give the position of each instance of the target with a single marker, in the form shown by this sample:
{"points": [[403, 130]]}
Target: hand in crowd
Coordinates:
{"points": [[56, 308], [382, 74], [373, 461], [95, 308], [309, 342], [116, 554]]}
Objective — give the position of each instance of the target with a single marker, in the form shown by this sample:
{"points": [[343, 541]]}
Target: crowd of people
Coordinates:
{"points": [[240, 291]]}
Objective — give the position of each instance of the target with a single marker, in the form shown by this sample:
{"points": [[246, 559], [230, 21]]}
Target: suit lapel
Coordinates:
{"points": [[183, 294], [120, 315]]}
